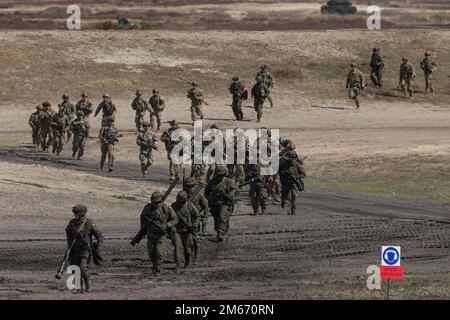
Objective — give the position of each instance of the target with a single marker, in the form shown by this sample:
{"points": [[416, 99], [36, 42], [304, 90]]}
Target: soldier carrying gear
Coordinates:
{"points": [[69, 111], [157, 105], [166, 138], [159, 219], [239, 92], [267, 80], [147, 143], [377, 65], [220, 193], [108, 139], [428, 66], [108, 109], [79, 129], [196, 97], [291, 174], [259, 93], [188, 221], [60, 125], [258, 190], [86, 107], [35, 124], [355, 84], [407, 75], [81, 230], [46, 130], [140, 106]]}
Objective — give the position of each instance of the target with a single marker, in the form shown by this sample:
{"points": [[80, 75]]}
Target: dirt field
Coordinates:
{"points": [[376, 176]]}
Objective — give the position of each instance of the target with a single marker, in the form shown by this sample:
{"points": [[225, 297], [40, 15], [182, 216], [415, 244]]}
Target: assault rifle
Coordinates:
{"points": [[298, 182], [141, 233], [114, 138]]}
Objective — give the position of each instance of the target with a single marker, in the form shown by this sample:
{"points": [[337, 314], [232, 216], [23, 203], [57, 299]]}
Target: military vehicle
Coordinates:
{"points": [[339, 7]]}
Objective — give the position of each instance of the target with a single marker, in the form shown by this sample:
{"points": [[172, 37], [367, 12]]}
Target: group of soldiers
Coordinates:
{"points": [[355, 78]]}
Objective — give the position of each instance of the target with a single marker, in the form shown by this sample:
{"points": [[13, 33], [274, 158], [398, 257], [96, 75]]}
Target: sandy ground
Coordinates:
{"points": [[322, 252]]}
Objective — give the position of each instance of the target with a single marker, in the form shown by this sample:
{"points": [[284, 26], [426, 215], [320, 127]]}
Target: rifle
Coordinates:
{"points": [[141, 233], [114, 138], [300, 186]]}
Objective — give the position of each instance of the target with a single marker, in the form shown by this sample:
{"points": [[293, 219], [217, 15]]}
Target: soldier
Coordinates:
{"points": [[35, 124], [157, 104], [82, 229], [268, 81], [377, 65], [428, 66], [355, 83], [140, 106], [85, 106], [166, 138], [46, 130], [258, 190], [69, 111], [60, 124], [259, 93], [108, 138], [239, 92], [188, 221], [159, 219], [147, 143], [196, 97], [108, 109], [220, 193], [407, 75], [199, 201], [291, 173], [79, 129]]}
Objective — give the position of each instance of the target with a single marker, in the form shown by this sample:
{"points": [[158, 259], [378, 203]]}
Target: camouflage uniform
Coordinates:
{"points": [[268, 81], [161, 218], [108, 139], [188, 221], [259, 93], [108, 110], [86, 107], [79, 129], [355, 84], [428, 66], [60, 124], [80, 255], [145, 140], [140, 106], [35, 125], [258, 190], [46, 130], [407, 75], [174, 169], [377, 65], [220, 193], [157, 104], [237, 89], [69, 110], [196, 97], [288, 186]]}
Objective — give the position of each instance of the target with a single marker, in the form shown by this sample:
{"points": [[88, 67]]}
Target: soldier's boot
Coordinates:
{"points": [[292, 209], [87, 285], [270, 101], [187, 261], [410, 93], [263, 209], [258, 118], [357, 103], [255, 210], [283, 203]]}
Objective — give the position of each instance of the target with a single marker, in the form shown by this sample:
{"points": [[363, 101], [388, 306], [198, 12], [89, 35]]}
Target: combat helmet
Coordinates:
{"points": [[79, 113], [138, 93], [221, 170], [189, 182], [182, 196], [156, 197], [80, 210]]}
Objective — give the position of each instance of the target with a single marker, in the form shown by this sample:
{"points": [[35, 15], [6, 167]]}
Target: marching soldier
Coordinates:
{"points": [[428, 66], [239, 92], [407, 75], [35, 124], [259, 93], [82, 229], [140, 106], [85, 106], [79, 128], [258, 191], [157, 104], [60, 124], [147, 143], [108, 109], [268, 81], [46, 130], [108, 139], [166, 138], [220, 193], [159, 219], [188, 221], [355, 84], [291, 174], [69, 111], [377, 65], [196, 97]]}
